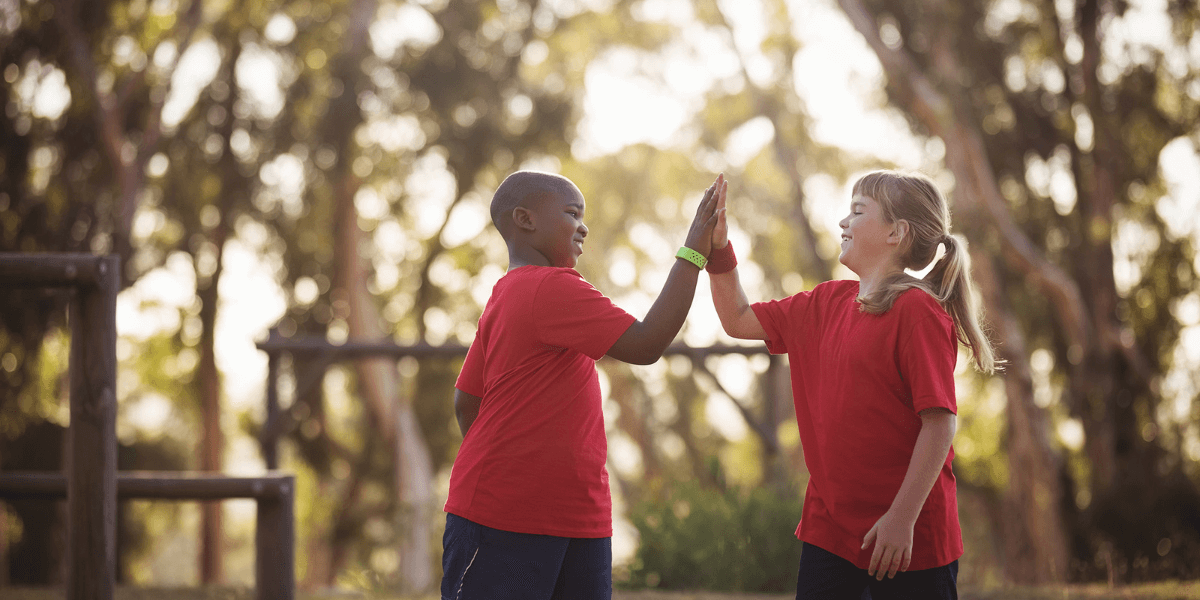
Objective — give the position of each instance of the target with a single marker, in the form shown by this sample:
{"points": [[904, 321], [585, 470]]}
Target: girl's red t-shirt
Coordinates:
{"points": [[534, 459], [858, 382]]}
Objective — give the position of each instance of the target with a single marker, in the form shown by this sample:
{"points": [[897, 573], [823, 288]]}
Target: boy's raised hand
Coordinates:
{"points": [[700, 235]]}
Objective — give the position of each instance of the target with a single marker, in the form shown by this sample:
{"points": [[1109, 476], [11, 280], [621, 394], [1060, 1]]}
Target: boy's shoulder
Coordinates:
{"points": [[532, 279], [535, 274]]}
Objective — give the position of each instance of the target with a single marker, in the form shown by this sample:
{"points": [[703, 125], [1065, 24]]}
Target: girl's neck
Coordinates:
{"points": [[871, 281]]}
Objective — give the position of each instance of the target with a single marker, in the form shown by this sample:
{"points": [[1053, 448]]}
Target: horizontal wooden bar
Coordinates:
{"points": [[162, 485], [52, 269], [348, 350]]}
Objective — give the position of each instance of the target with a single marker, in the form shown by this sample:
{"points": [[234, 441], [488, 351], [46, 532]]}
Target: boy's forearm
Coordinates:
{"points": [[666, 316], [646, 340], [929, 455]]}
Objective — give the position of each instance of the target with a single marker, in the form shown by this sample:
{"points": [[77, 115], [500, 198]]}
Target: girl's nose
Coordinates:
{"points": [[583, 229]]}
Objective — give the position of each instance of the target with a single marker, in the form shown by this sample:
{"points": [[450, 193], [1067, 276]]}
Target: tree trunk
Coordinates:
{"points": [[378, 378], [1033, 542], [380, 386]]}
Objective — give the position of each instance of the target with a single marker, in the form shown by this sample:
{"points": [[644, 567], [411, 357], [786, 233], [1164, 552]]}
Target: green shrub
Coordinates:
{"points": [[733, 540]]}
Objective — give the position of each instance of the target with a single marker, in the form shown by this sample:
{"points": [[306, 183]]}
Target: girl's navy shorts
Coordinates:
{"points": [[827, 576]]}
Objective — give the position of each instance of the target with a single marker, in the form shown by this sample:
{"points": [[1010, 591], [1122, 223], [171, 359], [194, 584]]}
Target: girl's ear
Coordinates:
{"points": [[899, 232], [524, 218]]}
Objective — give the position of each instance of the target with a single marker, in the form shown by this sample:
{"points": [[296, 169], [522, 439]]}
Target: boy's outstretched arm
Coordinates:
{"points": [[737, 318], [646, 340], [466, 408]]}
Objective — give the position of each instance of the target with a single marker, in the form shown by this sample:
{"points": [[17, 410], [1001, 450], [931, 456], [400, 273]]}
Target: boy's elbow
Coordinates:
{"points": [[647, 358]]}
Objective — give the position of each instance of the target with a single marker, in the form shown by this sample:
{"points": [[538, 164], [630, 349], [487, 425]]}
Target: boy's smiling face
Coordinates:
{"points": [[560, 231]]}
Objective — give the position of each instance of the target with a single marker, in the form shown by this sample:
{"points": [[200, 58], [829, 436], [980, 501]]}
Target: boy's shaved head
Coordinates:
{"points": [[520, 188]]}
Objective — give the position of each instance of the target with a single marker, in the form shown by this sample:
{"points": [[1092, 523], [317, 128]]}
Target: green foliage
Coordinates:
{"points": [[732, 540]]}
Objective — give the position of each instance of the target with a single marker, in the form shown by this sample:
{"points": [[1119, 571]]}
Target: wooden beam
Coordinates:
{"points": [[65, 269], [350, 350], [158, 485]]}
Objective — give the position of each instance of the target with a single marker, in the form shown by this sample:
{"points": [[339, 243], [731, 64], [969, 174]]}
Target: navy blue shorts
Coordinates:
{"points": [[827, 576], [481, 563]]}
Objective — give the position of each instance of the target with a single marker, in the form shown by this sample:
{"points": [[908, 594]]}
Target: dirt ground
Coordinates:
{"points": [[1189, 590]]}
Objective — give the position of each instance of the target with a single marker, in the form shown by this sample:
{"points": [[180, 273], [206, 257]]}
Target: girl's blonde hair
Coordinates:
{"points": [[917, 201]]}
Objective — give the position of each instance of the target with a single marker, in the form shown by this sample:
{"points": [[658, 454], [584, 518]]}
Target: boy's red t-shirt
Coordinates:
{"points": [[534, 459], [858, 382]]}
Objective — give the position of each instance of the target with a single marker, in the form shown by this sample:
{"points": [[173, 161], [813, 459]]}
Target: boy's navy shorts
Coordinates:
{"points": [[481, 563], [827, 576]]}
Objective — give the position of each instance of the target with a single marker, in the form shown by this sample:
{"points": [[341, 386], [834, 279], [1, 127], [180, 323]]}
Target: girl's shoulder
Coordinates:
{"points": [[836, 288], [917, 302]]}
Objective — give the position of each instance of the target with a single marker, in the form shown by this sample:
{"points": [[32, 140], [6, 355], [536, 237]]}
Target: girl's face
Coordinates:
{"points": [[867, 238]]}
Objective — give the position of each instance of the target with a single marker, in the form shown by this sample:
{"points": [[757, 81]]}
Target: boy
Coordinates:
{"points": [[529, 510]]}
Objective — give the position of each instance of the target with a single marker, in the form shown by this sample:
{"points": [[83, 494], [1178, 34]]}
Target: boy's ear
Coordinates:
{"points": [[523, 218], [899, 232]]}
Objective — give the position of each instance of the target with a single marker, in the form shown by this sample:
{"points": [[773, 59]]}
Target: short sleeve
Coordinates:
{"points": [[781, 319], [928, 354], [571, 313], [470, 379]]}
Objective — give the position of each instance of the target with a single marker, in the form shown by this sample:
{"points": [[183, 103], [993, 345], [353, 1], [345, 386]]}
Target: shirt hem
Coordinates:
{"points": [[533, 530]]}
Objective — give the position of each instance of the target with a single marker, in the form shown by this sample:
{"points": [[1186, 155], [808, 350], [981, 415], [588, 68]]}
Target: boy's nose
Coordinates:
{"points": [[583, 229]]}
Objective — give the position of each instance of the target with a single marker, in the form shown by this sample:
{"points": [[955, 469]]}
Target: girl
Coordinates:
{"points": [[872, 366]]}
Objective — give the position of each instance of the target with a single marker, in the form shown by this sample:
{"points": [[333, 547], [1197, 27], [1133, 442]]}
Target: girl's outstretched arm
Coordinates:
{"points": [[737, 318], [893, 532]]}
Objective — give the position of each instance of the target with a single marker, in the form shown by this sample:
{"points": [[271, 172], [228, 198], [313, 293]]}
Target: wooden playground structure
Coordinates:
{"points": [[90, 482]]}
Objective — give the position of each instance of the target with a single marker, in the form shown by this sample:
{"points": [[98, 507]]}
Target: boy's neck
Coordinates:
{"points": [[522, 255]]}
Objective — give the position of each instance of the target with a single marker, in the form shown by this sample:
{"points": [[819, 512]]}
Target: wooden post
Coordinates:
{"points": [[92, 441], [274, 540], [269, 439]]}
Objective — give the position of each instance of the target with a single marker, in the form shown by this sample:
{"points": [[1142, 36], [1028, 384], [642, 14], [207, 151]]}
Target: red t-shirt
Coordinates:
{"points": [[533, 460], [858, 381]]}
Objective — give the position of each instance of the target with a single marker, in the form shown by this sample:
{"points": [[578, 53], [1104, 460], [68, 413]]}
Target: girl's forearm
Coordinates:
{"points": [[929, 455], [733, 308]]}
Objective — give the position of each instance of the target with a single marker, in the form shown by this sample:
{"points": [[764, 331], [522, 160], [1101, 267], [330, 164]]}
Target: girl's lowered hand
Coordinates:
{"points": [[893, 539]]}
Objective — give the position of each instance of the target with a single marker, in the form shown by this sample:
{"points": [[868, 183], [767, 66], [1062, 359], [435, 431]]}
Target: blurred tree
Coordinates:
{"points": [[1053, 124]]}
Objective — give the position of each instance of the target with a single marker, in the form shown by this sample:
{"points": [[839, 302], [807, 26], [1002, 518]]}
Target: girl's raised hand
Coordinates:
{"points": [[720, 234]]}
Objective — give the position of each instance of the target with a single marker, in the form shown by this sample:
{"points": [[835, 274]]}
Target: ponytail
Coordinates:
{"points": [[916, 200]]}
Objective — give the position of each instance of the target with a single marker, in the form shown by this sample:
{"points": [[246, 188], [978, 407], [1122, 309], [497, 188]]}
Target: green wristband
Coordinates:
{"points": [[691, 256]]}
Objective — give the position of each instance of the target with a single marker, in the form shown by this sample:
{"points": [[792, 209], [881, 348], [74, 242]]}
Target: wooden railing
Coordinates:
{"points": [[90, 482], [274, 493]]}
